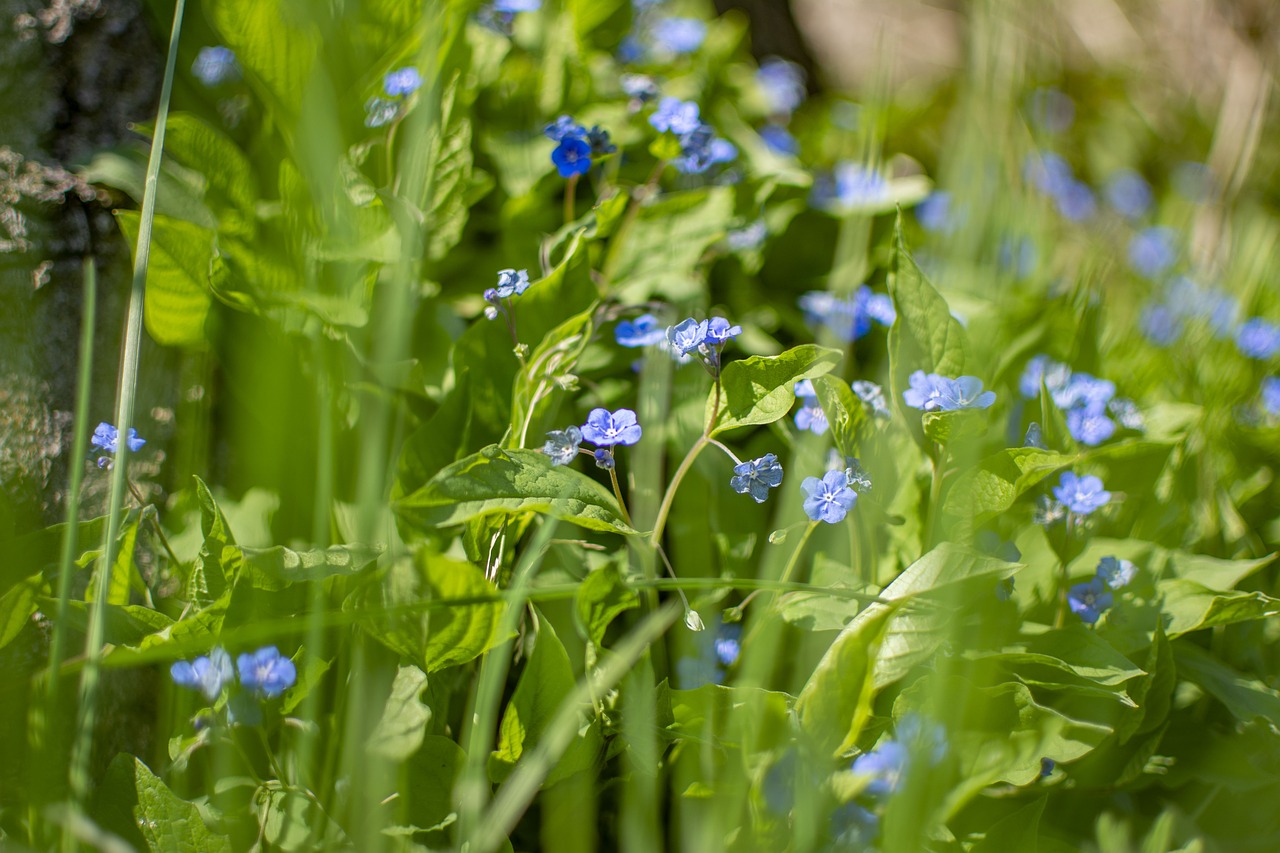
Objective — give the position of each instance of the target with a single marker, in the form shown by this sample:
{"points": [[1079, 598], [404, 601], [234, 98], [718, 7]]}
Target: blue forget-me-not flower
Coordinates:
{"points": [[1081, 495], [107, 438], [1270, 393], [829, 499], [1257, 338], [1116, 573], [562, 445], [401, 82], [266, 672], [207, 673], [756, 477], [930, 392], [1128, 193], [605, 428], [1088, 600], [643, 331], [782, 82], [678, 35], [1153, 250]]}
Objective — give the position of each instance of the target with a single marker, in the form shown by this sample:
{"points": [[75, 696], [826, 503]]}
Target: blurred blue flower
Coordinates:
{"points": [[1048, 172], [1004, 589], [748, 238], [266, 672], [607, 429], [1116, 573], [1128, 193], [849, 319], [1051, 110], [779, 140], [828, 499], [643, 331], [756, 477], [1019, 256], [989, 542], [1153, 250], [641, 88], [728, 643], [562, 445], [857, 185], [107, 438], [1048, 511], [513, 6], [215, 65], [783, 85], [1126, 413], [700, 149], [564, 128], [1034, 437], [854, 827], [1081, 495], [1270, 393], [511, 283], [675, 115], [208, 674], [873, 395], [804, 388], [934, 213], [933, 393], [598, 138], [1088, 600], [380, 111], [402, 81], [1089, 425], [1046, 767], [1076, 201], [811, 417], [1257, 338], [678, 35], [1160, 324], [886, 765], [858, 479]]}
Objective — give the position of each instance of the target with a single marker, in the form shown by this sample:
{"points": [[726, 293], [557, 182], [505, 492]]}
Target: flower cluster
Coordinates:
{"points": [[700, 148], [1091, 598], [107, 439], [704, 340], [603, 428], [265, 673], [576, 146], [930, 392], [718, 649], [885, 769], [1163, 321], [511, 283], [847, 318], [397, 86], [1090, 404]]}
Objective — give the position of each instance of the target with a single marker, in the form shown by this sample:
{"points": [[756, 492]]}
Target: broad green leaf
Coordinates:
{"points": [[436, 611], [400, 730], [545, 683], [123, 570], [1212, 572], [658, 253], [836, 700], [279, 567], [450, 200], [436, 443], [179, 192], [228, 174], [432, 772], [944, 427], [924, 336], [276, 43], [178, 277], [292, 822], [125, 625], [209, 579], [722, 714], [1075, 652], [133, 803], [514, 481], [758, 390], [999, 480], [1190, 606], [1016, 831], [1246, 698], [846, 414], [601, 597], [17, 606], [41, 550]]}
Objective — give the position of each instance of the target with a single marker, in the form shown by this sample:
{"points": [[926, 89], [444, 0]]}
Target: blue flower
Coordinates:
{"points": [[604, 459], [748, 238], [511, 283], [1049, 173], [1257, 338], [1051, 110], [782, 82], [756, 477], [804, 388], [676, 116], [402, 81], [811, 417], [564, 128], [933, 393], [1076, 201], [679, 35], [849, 319], [878, 306], [700, 148], [687, 335], [266, 672], [607, 429], [206, 674], [1160, 324], [779, 140], [572, 157], [510, 7], [1046, 767], [643, 331], [215, 66], [857, 185], [720, 332], [934, 213], [1034, 437], [854, 827], [858, 479], [1081, 495], [1018, 256], [828, 499], [1116, 573], [728, 643], [1126, 413], [1271, 395], [1153, 250], [380, 111], [106, 437], [562, 445], [639, 87], [873, 395], [1128, 193], [885, 765], [1089, 425], [1004, 589], [1088, 600]]}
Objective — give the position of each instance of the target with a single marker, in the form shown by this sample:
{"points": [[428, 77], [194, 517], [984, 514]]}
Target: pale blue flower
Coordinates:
{"points": [[215, 66], [873, 395], [1128, 193], [1152, 251], [562, 445], [402, 81], [756, 477], [1116, 573], [208, 674], [679, 35], [676, 116], [811, 417], [607, 429], [1088, 600], [1270, 393], [828, 499], [1258, 339], [106, 438], [782, 82], [266, 672], [511, 283], [1081, 495], [643, 331], [687, 335]]}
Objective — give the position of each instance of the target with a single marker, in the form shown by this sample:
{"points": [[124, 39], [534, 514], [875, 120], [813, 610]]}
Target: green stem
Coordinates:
{"points": [[935, 495], [570, 188], [669, 497], [87, 718], [734, 614], [617, 493]]}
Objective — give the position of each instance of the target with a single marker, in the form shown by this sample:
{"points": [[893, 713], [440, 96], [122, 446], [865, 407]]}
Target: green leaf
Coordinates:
{"points": [[845, 413], [178, 274], [601, 596], [1017, 831], [1246, 698], [435, 611], [279, 567], [451, 179], [17, 606], [276, 43], [513, 481], [836, 700], [432, 772], [209, 579], [924, 336], [544, 684], [293, 822], [441, 440], [1190, 606], [721, 713], [659, 252], [944, 427], [999, 480], [227, 172], [758, 390], [133, 803], [400, 730], [123, 570], [548, 368]]}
